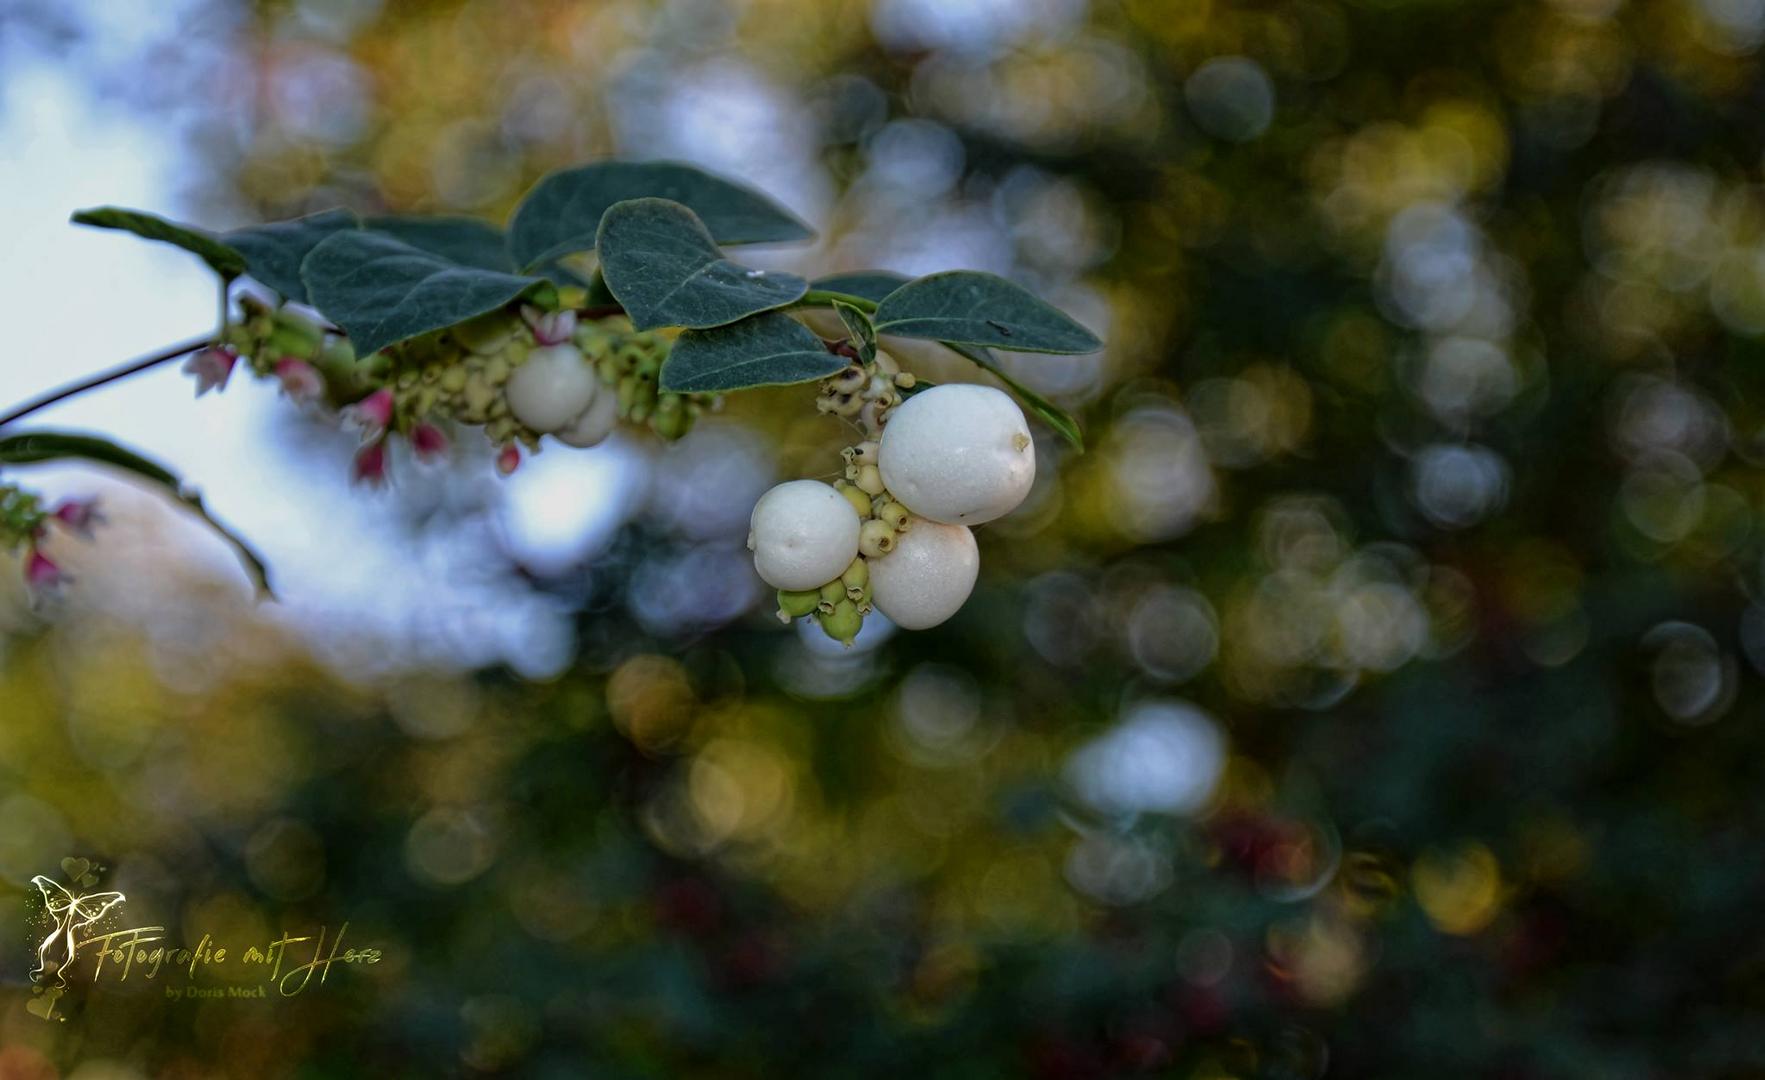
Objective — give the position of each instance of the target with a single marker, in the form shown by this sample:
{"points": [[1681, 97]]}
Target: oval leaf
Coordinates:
{"points": [[562, 214], [766, 350], [222, 258], [980, 309], [871, 285], [663, 267], [382, 290], [274, 251], [39, 446], [464, 240]]}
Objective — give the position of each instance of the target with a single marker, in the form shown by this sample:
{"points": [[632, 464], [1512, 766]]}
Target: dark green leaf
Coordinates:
{"points": [[222, 258], [274, 251], [39, 446], [464, 240], [1052, 414], [872, 285], [980, 309], [662, 265], [382, 290], [766, 350], [858, 328], [562, 214]]}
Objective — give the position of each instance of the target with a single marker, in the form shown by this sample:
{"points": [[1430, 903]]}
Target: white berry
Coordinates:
{"points": [[553, 387], [928, 577], [595, 423], [803, 534], [958, 453]]}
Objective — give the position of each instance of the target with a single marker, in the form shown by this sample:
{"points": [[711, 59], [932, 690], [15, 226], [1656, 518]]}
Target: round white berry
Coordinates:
{"points": [[928, 576], [553, 387], [803, 534], [958, 453], [595, 423]]}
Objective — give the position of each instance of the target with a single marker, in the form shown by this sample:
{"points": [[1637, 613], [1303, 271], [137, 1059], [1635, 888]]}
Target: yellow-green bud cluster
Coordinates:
{"points": [[840, 605], [630, 361], [22, 516], [459, 374]]}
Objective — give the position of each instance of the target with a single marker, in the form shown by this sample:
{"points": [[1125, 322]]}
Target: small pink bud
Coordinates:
{"points": [[428, 441], [508, 459], [550, 327], [41, 573], [370, 465], [78, 516], [373, 413], [300, 380], [212, 367]]}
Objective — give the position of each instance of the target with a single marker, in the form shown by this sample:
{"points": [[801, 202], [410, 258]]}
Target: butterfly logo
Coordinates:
{"points": [[68, 912]]}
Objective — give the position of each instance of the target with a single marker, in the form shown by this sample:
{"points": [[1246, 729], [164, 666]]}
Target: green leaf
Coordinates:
{"points": [[464, 240], [872, 285], [662, 265], [562, 214], [221, 257], [1053, 415], [767, 350], [382, 290], [858, 328], [40, 446], [274, 251], [980, 309]]}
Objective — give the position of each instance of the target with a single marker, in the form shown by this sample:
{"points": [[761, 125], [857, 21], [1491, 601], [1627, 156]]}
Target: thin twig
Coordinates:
{"points": [[182, 348]]}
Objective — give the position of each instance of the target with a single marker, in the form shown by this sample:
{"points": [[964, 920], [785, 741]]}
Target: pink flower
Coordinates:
{"points": [[78, 516], [212, 367], [550, 327], [370, 465], [42, 575], [428, 441], [300, 380], [508, 459], [373, 413]]}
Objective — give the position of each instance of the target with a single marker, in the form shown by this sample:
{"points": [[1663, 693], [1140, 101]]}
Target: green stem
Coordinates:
{"points": [[173, 352], [826, 297]]}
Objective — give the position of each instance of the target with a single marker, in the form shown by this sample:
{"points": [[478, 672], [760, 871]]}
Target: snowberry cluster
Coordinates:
{"points": [[25, 523], [893, 534], [519, 375]]}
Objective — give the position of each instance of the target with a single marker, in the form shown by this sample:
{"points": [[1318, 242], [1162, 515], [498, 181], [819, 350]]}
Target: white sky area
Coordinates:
{"points": [[77, 300]]}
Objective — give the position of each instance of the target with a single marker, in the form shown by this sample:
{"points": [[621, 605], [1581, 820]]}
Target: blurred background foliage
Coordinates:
{"points": [[1378, 695]]}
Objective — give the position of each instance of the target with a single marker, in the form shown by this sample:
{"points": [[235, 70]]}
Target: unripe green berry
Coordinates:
{"points": [[843, 623], [895, 514], [856, 576], [795, 603], [859, 500], [870, 480]]}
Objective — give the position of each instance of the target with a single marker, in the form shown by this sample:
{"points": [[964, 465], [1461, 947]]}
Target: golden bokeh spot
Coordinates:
{"points": [[1461, 890], [651, 701]]}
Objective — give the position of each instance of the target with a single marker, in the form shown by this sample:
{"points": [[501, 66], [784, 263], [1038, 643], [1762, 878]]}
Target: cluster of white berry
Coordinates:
{"points": [[519, 376], [894, 534]]}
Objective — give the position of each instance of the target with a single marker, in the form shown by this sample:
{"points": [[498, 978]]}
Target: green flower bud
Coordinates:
{"points": [[285, 342], [843, 623], [298, 325], [453, 380]]}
